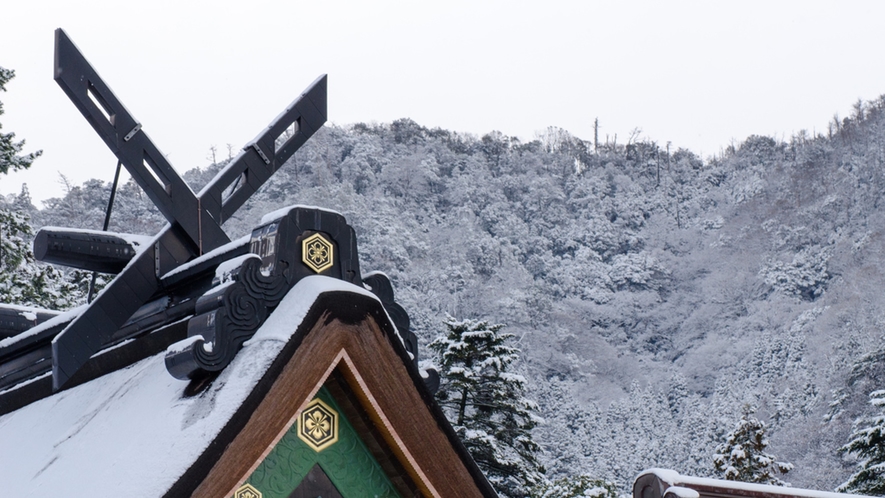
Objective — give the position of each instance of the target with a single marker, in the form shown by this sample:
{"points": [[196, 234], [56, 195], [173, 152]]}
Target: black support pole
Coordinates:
{"points": [[107, 222]]}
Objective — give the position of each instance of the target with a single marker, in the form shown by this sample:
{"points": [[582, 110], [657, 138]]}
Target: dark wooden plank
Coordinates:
{"points": [[123, 135]]}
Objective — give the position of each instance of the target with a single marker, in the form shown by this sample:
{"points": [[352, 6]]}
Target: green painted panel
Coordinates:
{"points": [[348, 463]]}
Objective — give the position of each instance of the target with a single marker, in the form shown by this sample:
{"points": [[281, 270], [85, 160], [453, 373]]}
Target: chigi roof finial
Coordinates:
{"points": [[190, 268]]}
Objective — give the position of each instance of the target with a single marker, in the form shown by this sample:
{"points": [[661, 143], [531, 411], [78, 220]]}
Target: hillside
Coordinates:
{"points": [[653, 293]]}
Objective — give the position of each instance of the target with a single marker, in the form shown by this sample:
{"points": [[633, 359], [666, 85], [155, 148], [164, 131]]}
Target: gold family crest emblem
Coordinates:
{"points": [[247, 491], [318, 425], [317, 253]]}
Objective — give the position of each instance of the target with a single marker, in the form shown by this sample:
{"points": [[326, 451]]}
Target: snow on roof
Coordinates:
{"points": [[26, 382], [676, 480], [209, 255], [29, 313], [28, 309], [131, 238], [366, 276], [224, 269], [66, 316], [681, 492], [132, 432], [279, 213]]}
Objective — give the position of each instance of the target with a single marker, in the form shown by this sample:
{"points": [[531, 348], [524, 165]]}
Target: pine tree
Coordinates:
{"points": [[576, 487], [485, 403], [868, 445], [10, 150], [22, 280], [742, 457]]}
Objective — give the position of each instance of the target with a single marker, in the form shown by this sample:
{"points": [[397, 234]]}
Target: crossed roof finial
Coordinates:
{"points": [[194, 219]]}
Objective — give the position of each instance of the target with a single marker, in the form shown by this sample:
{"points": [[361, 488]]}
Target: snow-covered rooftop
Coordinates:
{"points": [[279, 213], [133, 239], [63, 317], [679, 484], [132, 432]]}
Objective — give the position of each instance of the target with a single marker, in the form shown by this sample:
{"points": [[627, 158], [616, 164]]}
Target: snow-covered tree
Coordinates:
{"points": [[576, 487], [22, 280], [868, 446], [742, 456], [485, 403], [805, 277], [10, 151], [614, 266]]}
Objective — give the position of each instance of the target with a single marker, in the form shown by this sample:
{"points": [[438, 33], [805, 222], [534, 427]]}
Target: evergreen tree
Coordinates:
{"points": [[576, 487], [485, 402], [742, 457], [868, 444], [22, 280], [10, 150]]}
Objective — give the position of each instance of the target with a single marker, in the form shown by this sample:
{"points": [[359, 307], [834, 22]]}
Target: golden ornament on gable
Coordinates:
{"points": [[318, 425], [247, 491], [317, 253]]}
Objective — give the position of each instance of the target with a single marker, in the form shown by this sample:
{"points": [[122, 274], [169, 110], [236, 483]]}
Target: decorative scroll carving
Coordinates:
{"points": [[271, 289], [227, 316], [229, 313]]}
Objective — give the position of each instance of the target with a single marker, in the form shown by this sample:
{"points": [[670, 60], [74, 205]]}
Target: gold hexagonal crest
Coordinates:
{"points": [[318, 425], [247, 491], [317, 253]]}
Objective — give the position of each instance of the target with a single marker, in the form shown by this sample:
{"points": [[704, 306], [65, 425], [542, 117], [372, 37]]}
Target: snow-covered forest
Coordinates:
{"points": [[653, 294]]}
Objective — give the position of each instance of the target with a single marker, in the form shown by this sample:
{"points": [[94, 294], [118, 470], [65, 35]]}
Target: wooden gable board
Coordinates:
{"points": [[349, 333]]}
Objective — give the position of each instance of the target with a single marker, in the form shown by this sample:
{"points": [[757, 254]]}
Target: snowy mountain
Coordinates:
{"points": [[653, 293]]}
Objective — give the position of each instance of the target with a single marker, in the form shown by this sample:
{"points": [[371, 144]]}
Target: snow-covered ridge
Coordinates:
{"points": [[296, 304], [28, 312], [224, 269], [28, 309], [677, 481], [133, 239], [279, 213], [64, 317]]}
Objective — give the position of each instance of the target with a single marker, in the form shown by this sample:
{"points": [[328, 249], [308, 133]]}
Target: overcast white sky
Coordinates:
{"points": [[203, 73]]}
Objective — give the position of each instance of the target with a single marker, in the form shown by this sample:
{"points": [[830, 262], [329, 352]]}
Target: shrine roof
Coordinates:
{"points": [[134, 431]]}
